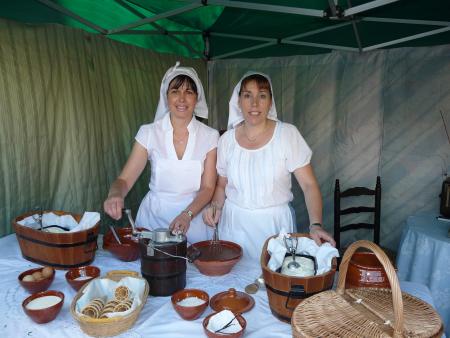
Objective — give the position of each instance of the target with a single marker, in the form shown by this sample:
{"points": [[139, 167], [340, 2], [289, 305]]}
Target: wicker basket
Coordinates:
{"points": [[365, 312], [109, 326]]}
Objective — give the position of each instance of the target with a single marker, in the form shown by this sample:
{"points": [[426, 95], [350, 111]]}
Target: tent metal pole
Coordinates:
{"points": [[316, 31], [242, 37], [408, 38], [367, 6], [68, 12], [160, 30], [248, 49], [355, 29], [193, 5], [321, 45], [156, 32], [268, 8], [407, 21]]}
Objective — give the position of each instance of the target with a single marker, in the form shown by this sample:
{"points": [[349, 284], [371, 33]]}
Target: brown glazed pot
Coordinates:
{"points": [[216, 261], [365, 270], [128, 251], [235, 301], [45, 315], [83, 271], [36, 286], [190, 312], [210, 334]]}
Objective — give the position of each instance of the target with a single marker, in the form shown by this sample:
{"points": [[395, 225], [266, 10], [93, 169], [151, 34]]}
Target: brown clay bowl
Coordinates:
{"points": [[190, 312], [216, 261], [211, 334], [43, 315], [36, 286], [128, 251], [365, 270], [77, 277]]}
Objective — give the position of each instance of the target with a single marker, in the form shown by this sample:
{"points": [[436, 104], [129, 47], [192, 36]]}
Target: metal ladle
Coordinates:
{"points": [[291, 246]]}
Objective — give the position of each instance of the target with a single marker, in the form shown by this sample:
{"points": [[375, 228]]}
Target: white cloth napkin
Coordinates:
{"points": [[323, 254], [88, 220], [104, 288], [219, 320]]}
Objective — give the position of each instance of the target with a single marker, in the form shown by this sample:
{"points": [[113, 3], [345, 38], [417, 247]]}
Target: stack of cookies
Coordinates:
{"points": [[121, 303]]}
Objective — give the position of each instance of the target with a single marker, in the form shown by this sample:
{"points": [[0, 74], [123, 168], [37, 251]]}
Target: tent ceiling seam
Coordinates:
{"points": [[193, 5], [73, 15]]}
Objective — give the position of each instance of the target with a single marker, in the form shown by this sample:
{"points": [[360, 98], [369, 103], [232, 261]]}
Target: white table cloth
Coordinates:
{"points": [[157, 319], [424, 257]]}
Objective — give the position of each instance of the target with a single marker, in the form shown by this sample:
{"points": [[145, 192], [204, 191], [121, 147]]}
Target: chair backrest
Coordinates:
{"points": [[376, 209]]}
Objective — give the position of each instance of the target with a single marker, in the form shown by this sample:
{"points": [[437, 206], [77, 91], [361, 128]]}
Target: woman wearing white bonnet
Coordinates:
{"points": [[255, 160], [182, 155]]}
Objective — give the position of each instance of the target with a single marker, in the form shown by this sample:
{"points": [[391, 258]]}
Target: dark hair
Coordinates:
{"points": [[261, 81], [181, 80]]}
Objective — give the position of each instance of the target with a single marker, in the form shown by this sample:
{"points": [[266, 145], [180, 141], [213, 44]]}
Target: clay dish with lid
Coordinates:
{"points": [[216, 261], [77, 277], [235, 301], [187, 311], [128, 251], [43, 307], [211, 334], [34, 286]]}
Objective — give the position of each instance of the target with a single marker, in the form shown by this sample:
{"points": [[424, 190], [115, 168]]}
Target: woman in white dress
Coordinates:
{"points": [[256, 157], [182, 155]]}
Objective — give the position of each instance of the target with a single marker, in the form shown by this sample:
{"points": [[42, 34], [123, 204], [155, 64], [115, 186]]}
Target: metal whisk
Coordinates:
{"points": [[215, 247]]}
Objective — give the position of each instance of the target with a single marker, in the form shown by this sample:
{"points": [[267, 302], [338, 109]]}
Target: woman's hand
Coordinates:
{"points": [[113, 206], [318, 234], [210, 216], [180, 224]]}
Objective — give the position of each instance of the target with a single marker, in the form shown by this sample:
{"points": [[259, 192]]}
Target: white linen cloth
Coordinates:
{"points": [[324, 253], [88, 220], [221, 319], [235, 113], [201, 108], [259, 186], [158, 317], [174, 183]]}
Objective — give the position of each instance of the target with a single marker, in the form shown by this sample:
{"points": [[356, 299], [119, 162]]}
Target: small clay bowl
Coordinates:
{"points": [[365, 270], [77, 277], [36, 286], [190, 312], [216, 261], [128, 251], [211, 334], [45, 314]]}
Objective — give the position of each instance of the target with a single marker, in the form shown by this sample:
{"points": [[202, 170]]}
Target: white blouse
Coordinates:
{"points": [[260, 178], [157, 138]]}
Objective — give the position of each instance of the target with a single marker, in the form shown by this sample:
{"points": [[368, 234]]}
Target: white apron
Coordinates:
{"points": [[174, 185]]}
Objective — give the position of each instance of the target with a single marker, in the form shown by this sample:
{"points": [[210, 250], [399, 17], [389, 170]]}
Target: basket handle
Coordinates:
{"points": [[122, 273], [397, 300]]}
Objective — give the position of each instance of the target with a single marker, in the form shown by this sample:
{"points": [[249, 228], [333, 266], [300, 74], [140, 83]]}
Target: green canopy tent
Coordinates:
{"points": [[218, 29]]}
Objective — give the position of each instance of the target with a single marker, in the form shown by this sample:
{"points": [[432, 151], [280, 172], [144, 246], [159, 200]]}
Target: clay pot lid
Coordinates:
{"points": [[235, 301]]}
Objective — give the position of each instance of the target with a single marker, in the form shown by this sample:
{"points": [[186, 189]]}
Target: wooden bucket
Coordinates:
{"points": [[286, 292], [165, 273], [60, 250]]}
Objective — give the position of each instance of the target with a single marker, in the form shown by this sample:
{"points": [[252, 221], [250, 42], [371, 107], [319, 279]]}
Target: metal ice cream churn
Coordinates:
{"points": [[163, 259]]}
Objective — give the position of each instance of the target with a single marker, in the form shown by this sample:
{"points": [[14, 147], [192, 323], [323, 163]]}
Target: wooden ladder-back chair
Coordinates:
{"points": [[376, 209]]}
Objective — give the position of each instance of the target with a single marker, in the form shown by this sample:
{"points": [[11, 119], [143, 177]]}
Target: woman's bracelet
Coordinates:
{"points": [[315, 224]]}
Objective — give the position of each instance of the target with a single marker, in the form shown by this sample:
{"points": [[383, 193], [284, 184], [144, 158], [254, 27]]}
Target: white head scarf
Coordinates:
{"points": [[201, 109], [235, 113]]}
